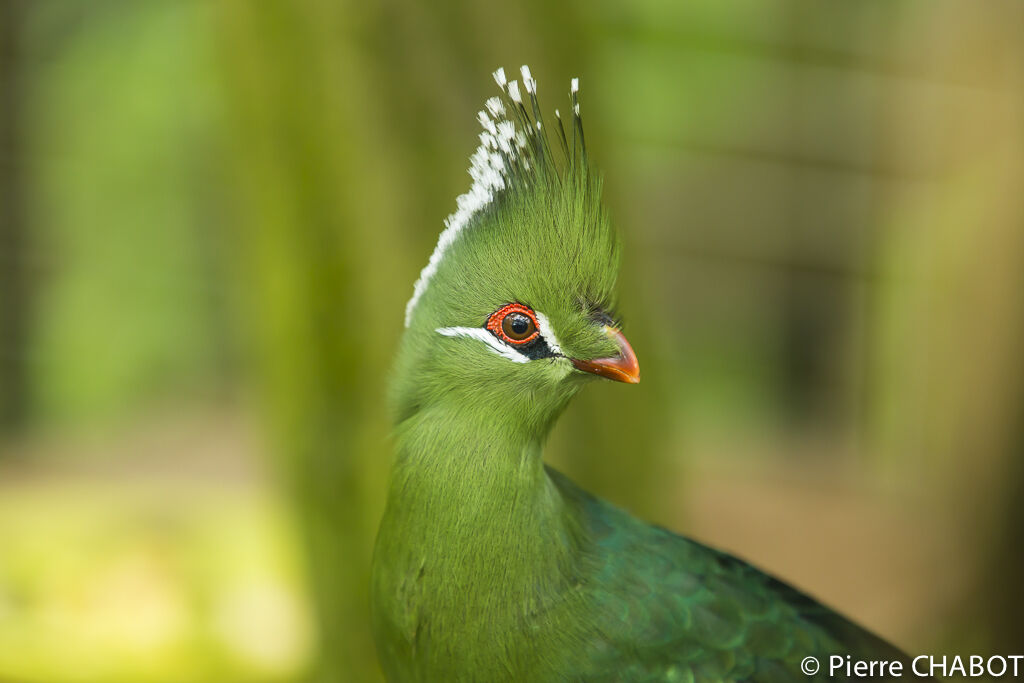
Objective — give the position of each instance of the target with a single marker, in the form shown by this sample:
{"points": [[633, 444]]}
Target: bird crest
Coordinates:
{"points": [[514, 156]]}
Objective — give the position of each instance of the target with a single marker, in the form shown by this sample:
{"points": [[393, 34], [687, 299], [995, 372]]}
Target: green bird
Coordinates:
{"points": [[491, 566]]}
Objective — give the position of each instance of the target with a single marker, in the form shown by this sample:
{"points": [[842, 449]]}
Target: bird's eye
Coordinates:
{"points": [[514, 323], [517, 326]]}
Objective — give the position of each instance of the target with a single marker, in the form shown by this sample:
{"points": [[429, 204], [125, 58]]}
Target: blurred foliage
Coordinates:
{"points": [[127, 231], [220, 208], [129, 585]]}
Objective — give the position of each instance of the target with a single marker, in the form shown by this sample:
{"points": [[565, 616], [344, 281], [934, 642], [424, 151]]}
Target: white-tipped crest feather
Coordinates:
{"points": [[513, 92], [502, 142], [528, 82]]}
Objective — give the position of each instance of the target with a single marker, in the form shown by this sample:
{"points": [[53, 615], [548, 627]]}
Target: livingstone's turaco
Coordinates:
{"points": [[491, 566]]}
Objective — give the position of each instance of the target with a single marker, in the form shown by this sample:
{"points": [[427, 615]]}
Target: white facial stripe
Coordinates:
{"points": [[500, 347], [548, 333], [486, 337]]}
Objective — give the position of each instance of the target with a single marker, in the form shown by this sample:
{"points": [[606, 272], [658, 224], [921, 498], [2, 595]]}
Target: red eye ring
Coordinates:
{"points": [[496, 324]]}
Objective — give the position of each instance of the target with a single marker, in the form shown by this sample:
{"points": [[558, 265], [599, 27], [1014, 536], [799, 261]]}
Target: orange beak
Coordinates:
{"points": [[621, 368]]}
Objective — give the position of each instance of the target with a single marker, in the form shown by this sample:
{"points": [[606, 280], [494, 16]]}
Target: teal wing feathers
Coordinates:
{"points": [[666, 608]]}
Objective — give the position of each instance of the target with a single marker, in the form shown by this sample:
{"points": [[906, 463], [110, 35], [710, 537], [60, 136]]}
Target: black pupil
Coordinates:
{"points": [[518, 326]]}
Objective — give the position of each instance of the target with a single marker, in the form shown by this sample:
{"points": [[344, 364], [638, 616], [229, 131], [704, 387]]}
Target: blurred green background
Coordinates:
{"points": [[212, 214]]}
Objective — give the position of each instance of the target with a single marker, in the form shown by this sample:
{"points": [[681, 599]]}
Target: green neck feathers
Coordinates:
{"points": [[476, 537]]}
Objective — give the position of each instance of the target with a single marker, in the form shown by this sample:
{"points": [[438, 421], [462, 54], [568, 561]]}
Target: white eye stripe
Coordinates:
{"points": [[486, 337], [500, 347]]}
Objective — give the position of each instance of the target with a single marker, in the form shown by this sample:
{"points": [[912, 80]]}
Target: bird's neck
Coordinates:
{"points": [[471, 502]]}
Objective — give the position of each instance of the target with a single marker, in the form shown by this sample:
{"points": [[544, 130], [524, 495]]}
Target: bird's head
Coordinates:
{"points": [[515, 308]]}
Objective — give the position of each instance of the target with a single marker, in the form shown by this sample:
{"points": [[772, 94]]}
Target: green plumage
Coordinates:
{"points": [[492, 567]]}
